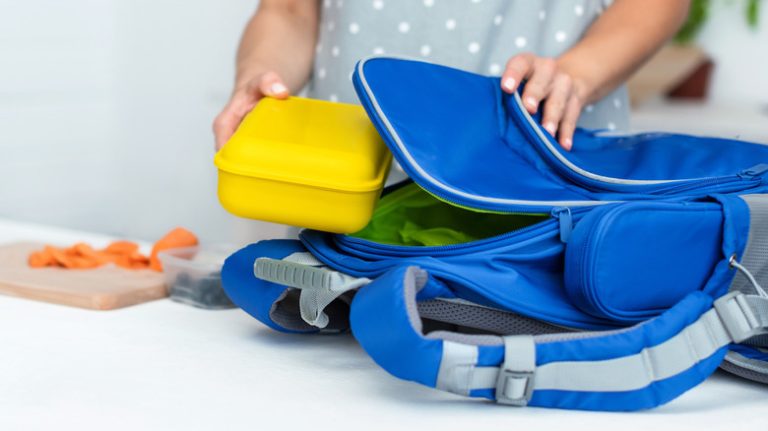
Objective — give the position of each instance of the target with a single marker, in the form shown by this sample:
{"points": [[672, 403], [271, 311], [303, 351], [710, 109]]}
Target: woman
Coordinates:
{"points": [[575, 55]]}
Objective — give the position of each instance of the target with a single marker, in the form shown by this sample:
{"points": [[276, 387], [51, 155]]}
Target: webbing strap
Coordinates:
{"points": [[647, 364], [734, 317], [319, 285], [515, 380]]}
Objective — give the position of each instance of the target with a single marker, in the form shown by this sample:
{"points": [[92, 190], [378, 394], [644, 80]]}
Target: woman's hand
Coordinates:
{"points": [[563, 95], [243, 100]]}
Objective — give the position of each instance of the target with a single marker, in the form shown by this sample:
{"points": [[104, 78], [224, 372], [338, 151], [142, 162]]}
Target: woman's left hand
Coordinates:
{"points": [[563, 94]]}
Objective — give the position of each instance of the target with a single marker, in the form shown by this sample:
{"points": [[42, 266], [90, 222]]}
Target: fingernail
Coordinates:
{"points": [[567, 144], [278, 88], [550, 126], [531, 102], [509, 84]]}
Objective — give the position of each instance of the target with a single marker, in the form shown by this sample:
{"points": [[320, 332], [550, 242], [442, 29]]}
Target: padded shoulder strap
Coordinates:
{"points": [[629, 369]]}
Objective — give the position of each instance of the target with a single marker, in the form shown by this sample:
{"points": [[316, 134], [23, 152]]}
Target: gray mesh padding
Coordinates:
{"points": [[566, 336], [755, 258], [464, 338], [483, 318], [747, 368], [758, 341]]}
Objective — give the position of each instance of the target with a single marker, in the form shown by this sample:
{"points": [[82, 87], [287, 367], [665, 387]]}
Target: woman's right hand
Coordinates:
{"points": [[244, 99]]}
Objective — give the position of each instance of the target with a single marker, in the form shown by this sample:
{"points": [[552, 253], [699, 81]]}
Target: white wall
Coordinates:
{"points": [[740, 54], [105, 113], [106, 106]]}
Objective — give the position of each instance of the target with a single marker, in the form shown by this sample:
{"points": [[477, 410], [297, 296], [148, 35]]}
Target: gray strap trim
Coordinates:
{"points": [[681, 352], [304, 258], [515, 382], [456, 367], [319, 286], [693, 344], [743, 316]]}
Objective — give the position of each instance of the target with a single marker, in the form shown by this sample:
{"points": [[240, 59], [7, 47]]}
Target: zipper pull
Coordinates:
{"points": [[563, 215], [754, 171]]}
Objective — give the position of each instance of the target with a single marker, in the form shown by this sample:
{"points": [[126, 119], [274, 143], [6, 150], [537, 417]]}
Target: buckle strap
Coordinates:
{"points": [[514, 385], [743, 316], [513, 379]]}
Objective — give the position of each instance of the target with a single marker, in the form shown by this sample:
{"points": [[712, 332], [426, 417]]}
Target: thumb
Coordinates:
{"points": [[272, 85]]}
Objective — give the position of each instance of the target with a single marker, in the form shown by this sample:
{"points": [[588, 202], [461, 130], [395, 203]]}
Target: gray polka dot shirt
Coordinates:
{"points": [[474, 35]]}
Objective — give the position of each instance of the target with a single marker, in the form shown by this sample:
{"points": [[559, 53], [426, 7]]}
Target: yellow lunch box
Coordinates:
{"points": [[304, 162]]}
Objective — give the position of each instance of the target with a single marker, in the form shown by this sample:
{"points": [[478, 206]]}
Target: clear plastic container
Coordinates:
{"points": [[193, 275]]}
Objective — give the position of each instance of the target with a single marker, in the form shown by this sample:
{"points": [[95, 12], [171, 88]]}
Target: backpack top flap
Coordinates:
{"points": [[464, 140]]}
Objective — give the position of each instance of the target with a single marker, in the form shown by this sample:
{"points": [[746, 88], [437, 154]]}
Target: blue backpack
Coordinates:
{"points": [[613, 277]]}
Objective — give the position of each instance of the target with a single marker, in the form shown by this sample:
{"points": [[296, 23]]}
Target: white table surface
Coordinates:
{"points": [[167, 366]]}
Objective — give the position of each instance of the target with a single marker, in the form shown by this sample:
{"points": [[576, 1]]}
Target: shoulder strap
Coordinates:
{"points": [[627, 369]]}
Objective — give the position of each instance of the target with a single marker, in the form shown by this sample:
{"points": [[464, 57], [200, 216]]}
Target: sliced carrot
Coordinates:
{"points": [[79, 262], [122, 247], [124, 254], [176, 238], [40, 259], [62, 258]]}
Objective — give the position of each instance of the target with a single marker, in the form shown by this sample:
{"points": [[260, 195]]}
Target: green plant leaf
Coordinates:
{"points": [[753, 12], [697, 16]]}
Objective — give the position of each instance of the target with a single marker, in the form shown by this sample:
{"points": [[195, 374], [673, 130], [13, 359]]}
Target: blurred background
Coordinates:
{"points": [[106, 106]]}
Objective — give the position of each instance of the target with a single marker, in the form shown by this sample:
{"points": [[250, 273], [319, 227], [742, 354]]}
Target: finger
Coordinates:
{"points": [[554, 106], [517, 69], [539, 84], [224, 127], [272, 85], [222, 131], [243, 102], [568, 123], [232, 115]]}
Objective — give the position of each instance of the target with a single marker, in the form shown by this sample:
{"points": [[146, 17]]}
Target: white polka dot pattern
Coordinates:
{"points": [[476, 35]]}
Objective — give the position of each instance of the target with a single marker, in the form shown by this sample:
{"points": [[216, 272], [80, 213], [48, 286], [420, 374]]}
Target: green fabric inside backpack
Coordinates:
{"points": [[410, 216]]}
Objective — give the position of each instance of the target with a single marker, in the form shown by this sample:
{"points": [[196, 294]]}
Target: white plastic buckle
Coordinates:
{"points": [[514, 388], [737, 317]]}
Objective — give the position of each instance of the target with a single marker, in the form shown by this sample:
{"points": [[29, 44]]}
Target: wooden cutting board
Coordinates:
{"points": [[105, 288]]}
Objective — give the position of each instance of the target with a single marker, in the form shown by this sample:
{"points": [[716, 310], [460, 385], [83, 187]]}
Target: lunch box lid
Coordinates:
{"points": [[308, 142]]}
